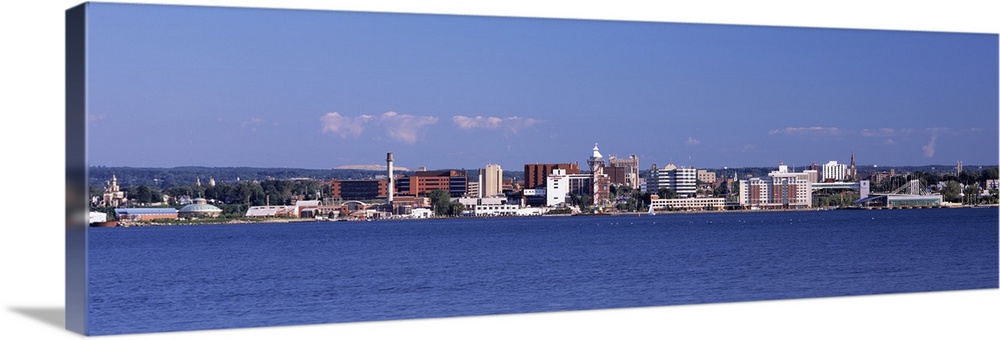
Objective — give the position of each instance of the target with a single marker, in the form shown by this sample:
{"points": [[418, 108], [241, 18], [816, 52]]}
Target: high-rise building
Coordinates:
{"points": [[454, 182], [561, 187], [781, 189], [535, 174], [682, 181], [834, 172], [623, 171], [492, 177]]}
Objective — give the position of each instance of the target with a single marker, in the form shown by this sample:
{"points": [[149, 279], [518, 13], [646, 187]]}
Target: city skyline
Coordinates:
{"points": [[318, 89]]}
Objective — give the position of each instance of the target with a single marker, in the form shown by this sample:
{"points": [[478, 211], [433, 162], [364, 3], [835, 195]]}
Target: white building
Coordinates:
{"points": [[471, 203], [97, 217], [682, 181], [559, 187], [699, 203], [834, 171], [262, 211], [421, 213], [496, 210]]}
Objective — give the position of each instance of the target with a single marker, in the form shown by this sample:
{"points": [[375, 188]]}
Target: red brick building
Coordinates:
{"points": [[535, 174]]}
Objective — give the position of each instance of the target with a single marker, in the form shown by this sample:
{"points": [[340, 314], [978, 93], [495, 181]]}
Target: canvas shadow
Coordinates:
{"points": [[54, 316]]}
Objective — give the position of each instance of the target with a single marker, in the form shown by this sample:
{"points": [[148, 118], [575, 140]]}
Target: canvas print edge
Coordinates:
{"points": [[71, 237]]}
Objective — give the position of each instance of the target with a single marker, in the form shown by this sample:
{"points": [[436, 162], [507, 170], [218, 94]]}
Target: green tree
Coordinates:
{"points": [[970, 177], [441, 202], [455, 208], [144, 194], [970, 195], [990, 173], [581, 200], [951, 191]]}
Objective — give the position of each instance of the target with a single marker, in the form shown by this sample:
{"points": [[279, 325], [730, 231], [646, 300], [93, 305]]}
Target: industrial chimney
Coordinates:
{"points": [[391, 183]]}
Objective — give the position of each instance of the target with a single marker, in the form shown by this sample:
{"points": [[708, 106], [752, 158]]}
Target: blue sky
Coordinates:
{"points": [[175, 86]]}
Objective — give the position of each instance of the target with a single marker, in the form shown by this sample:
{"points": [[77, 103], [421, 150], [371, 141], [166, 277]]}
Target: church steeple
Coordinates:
{"points": [[852, 171]]}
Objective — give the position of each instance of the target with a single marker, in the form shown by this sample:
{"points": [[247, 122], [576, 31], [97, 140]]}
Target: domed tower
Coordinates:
{"points": [[596, 161], [600, 189]]}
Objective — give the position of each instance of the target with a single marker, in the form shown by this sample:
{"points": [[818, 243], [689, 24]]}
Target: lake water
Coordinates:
{"points": [[155, 279]]}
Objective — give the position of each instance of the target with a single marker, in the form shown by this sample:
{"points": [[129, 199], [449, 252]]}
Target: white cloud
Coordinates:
{"points": [[403, 127], [882, 132], [807, 131], [512, 124], [252, 123], [929, 148], [344, 126], [692, 141]]}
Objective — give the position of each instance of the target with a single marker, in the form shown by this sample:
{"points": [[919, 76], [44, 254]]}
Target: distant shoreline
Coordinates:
{"points": [[130, 224]]}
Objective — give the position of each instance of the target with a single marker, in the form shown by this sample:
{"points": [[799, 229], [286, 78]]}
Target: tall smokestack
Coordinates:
{"points": [[391, 182]]}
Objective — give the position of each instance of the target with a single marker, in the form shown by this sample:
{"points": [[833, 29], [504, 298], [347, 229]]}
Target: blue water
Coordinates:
{"points": [[154, 279]]}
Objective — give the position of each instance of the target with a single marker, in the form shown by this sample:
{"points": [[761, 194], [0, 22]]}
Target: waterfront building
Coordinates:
{"points": [[560, 187], [113, 195], [781, 189], [145, 214], [536, 175], [421, 213], [495, 210], [199, 209], [470, 203], [307, 208], [455, 182], [366, 189], [97, 217], [682, 181], [693, 203], [834, 172], [412, 201], [623, 171], [532, 197], [268, 211]]}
